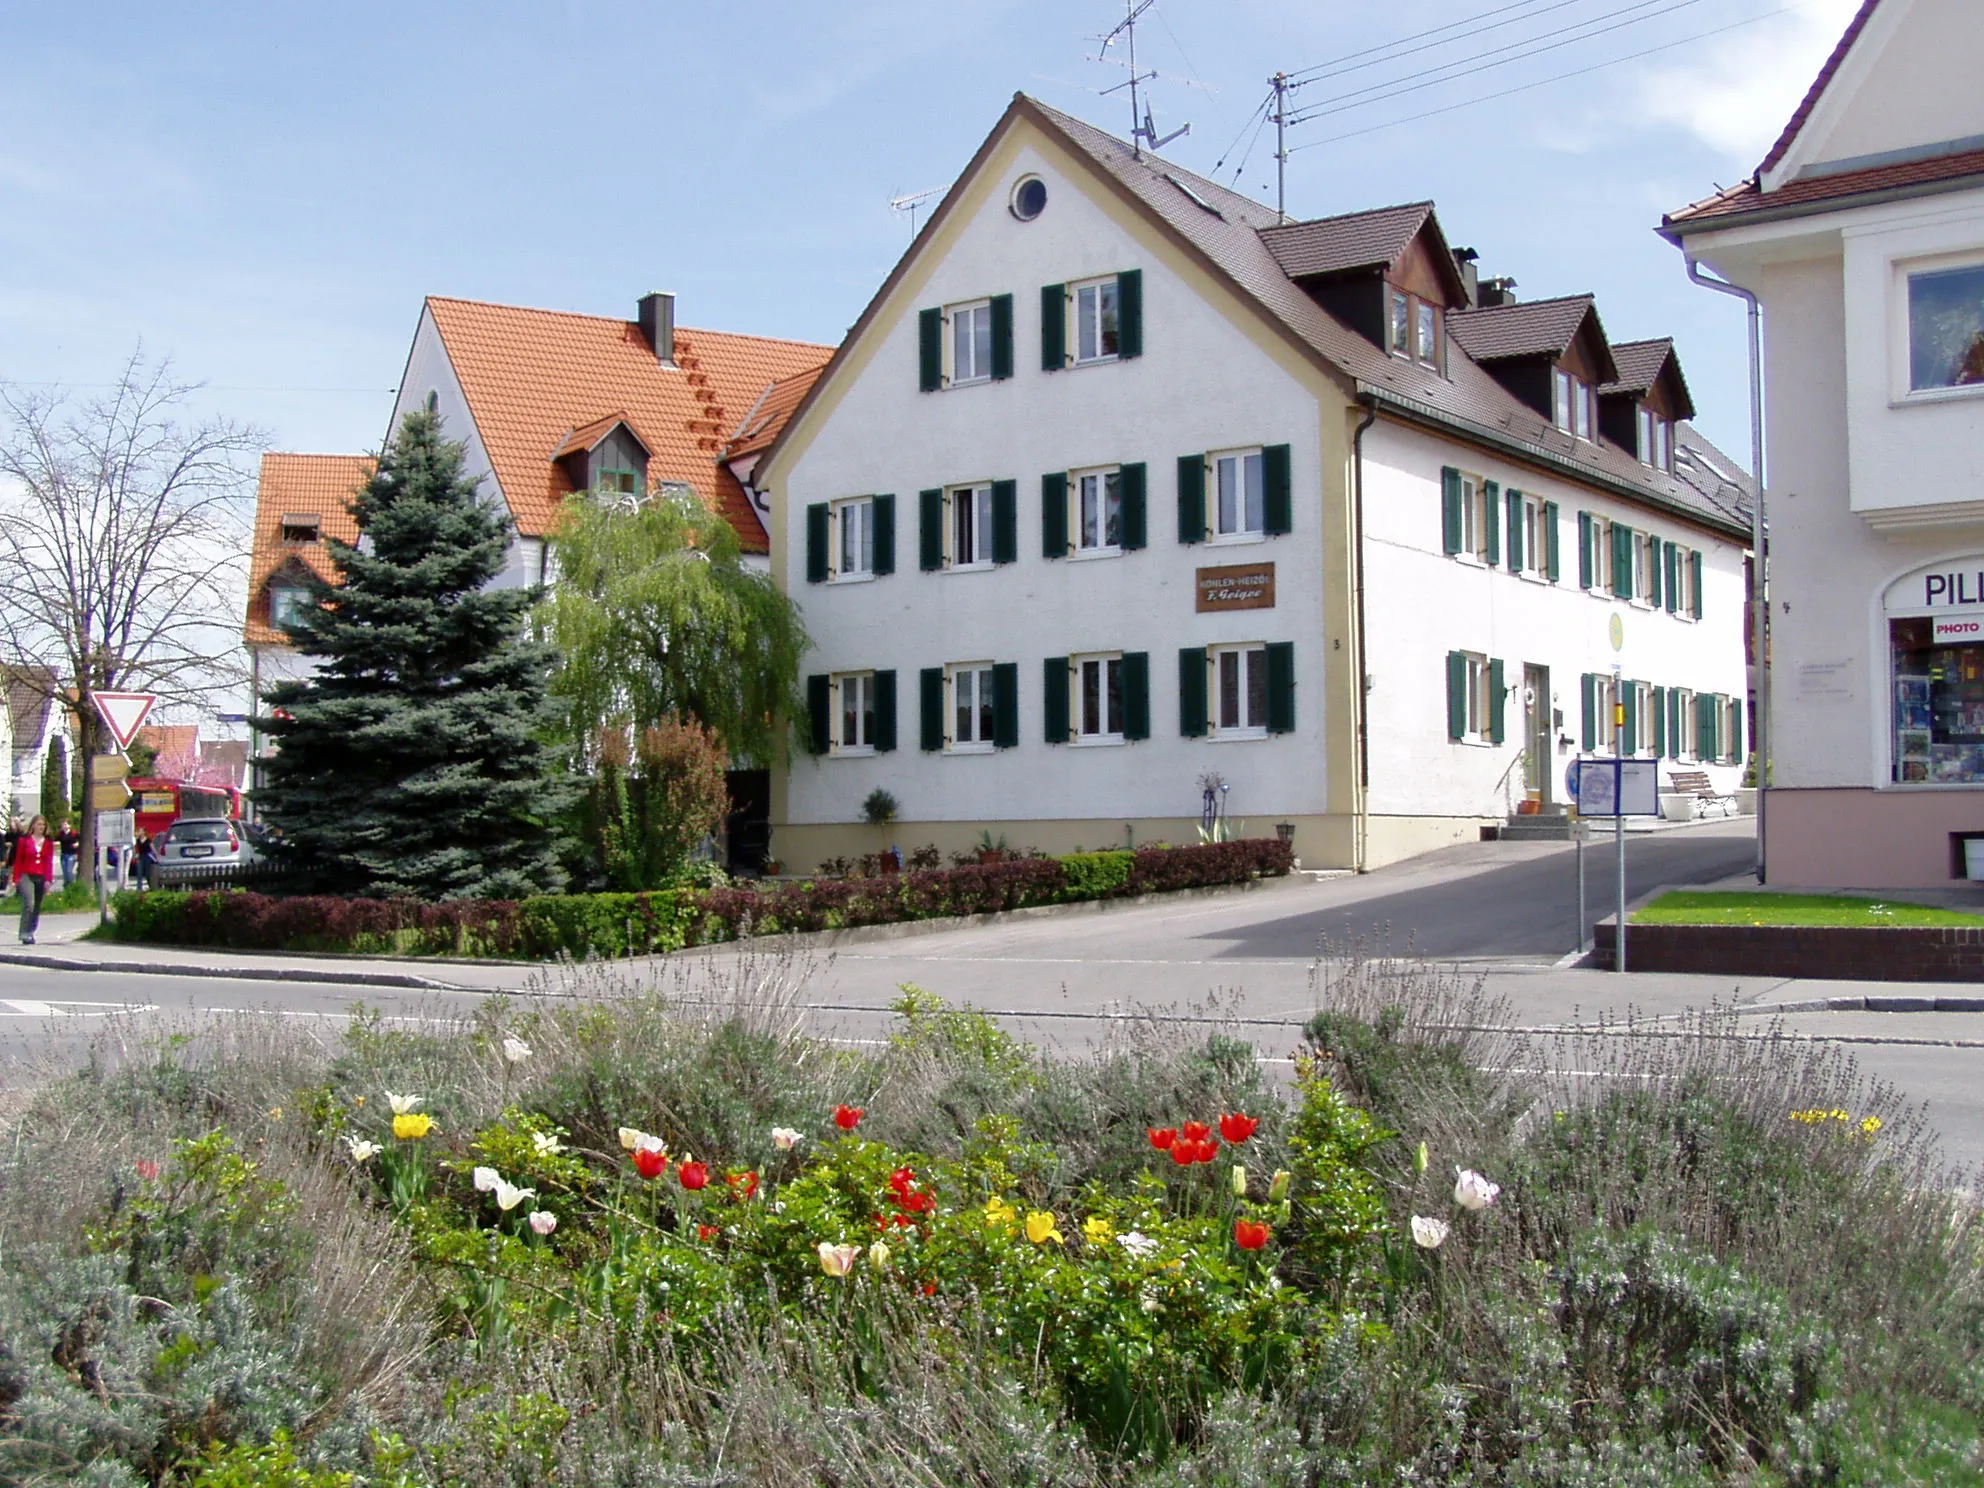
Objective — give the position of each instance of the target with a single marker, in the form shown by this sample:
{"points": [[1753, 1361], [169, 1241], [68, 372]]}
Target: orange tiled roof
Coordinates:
{"points": [[760, 427], [1823, 193], [531, 377], [295, 485]]}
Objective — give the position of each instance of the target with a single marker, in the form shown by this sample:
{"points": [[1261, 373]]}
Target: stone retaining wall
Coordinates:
{"points": [[1925, 953]]}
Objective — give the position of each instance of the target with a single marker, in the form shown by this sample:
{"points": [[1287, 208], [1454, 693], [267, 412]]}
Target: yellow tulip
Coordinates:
{"points": [[1040, 1228], [412, 1126], [1098, 1231], [999, 1212]]}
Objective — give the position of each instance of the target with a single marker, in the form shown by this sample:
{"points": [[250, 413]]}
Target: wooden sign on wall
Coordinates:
{"points": [[1240, 586]]}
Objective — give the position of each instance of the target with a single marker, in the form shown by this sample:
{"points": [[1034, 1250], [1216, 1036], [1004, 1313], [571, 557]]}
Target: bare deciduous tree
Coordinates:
{"points": [[123, 529]]}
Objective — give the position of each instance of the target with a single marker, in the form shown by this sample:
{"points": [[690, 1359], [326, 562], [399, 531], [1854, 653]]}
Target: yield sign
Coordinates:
{"points": [[123, 713]]}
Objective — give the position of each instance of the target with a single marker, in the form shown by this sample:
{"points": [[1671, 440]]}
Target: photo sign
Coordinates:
{"points": [[1239, 586], [1614, 787]]}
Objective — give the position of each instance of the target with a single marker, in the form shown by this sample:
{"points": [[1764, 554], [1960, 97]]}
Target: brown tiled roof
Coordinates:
{"points": [[1354, 240], [1812, 94], [1823, 192], [30, 695], [532, 376], [1231, 244], [589, 435], [1638, 365], [292, 485], [1532, 328], [761, 426]]}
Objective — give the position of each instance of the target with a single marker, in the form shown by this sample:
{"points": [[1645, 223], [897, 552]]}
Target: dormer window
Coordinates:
{"points": [[617, 483], [300, 527], [1415, 329], [1656, 440], [1571, 408], [286, 603]]}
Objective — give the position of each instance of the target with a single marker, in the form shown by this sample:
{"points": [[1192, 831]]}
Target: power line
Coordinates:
{"points": [[1331, 68], [1258, 108], [1522, 51], [1556, 78]]}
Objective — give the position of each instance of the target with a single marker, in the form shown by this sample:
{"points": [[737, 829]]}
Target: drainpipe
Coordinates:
{"points": [[1360, 820], [1760, 615]]}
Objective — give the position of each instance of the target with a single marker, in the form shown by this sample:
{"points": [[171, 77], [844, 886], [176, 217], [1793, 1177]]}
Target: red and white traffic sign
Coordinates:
{"points": [[123, 713]]}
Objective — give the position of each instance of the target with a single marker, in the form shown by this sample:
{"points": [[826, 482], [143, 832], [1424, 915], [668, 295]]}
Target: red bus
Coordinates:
{"points": [[160, 803]]}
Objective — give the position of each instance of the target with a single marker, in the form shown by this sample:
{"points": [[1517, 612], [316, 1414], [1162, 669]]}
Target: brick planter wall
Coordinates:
{"points": [[1927, 953]]}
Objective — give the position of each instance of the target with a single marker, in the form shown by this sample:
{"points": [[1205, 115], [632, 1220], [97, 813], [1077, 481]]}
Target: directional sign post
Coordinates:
{"points": [[123, 713], [107, 789]]}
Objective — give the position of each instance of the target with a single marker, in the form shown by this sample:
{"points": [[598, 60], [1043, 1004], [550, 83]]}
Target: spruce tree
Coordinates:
{"points": [[414, 761]]}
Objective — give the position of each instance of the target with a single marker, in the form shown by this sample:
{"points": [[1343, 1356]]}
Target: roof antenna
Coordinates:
{"points": [[1143, 127], [908, 203]]}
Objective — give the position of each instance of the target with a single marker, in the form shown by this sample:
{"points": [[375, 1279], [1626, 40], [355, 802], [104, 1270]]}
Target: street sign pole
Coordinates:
{"points": [[1619, 821]]}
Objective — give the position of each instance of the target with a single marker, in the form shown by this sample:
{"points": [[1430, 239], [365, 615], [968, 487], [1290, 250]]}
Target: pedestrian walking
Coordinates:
{"points": [[69, 844], [16, 829], [34, 865], [143, 856]]}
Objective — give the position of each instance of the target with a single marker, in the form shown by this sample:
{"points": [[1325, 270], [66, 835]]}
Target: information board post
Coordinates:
{"points": [[116, 829], [1619, 821], [1616, 787]]}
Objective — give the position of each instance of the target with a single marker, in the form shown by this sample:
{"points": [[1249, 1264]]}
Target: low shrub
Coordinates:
{"points": [[610, 925]]}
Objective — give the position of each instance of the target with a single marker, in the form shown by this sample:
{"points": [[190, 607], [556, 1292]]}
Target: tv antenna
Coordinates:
{"points": [[910, 203], [1143, 126]]}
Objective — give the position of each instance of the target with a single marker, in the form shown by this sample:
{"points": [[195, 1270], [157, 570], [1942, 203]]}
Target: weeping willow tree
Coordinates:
{"points": [[654, 614]]}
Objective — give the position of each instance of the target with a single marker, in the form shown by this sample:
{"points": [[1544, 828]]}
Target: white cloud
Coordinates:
{"points": [[1737, 91]]}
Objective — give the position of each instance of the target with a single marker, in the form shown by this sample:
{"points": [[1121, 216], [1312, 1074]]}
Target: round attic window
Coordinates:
{"points": [[1029, 198]]}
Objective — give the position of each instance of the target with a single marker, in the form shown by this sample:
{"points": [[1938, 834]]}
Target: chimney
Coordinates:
{"points": [[1470, 275], [657, 318], [1496, 292]]}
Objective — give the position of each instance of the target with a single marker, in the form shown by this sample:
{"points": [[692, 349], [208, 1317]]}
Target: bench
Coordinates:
{"points": [[1697, 784]]}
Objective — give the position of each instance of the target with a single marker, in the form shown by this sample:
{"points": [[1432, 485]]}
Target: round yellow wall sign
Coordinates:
{"points": [[1617, 631]]}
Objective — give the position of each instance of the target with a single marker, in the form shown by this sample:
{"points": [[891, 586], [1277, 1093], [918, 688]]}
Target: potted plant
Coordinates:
{"points": [[988, 850], [1746, 793], [880, 808]]}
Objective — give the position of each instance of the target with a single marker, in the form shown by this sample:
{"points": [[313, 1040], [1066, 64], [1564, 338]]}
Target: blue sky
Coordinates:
{"points": [[265, 192]]}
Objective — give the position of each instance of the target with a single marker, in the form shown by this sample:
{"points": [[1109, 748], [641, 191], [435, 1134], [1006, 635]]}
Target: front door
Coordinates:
{"points": [[1536, 732]]}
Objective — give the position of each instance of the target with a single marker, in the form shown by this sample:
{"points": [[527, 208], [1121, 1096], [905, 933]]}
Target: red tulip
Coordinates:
{"points": [[742, 1185], [1205, 1149], [1161, 1137], [920, 1202], [1237, 1128], [649, 1163], [1184, 1153], [148, 1169], [1250, 1234], [707, 1233], [847, 1118], [902, 1183], [1196, 1131], [693, 1175]]}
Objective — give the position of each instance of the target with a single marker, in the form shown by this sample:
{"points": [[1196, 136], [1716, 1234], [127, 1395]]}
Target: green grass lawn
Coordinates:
{"points": [[1692, 907]]}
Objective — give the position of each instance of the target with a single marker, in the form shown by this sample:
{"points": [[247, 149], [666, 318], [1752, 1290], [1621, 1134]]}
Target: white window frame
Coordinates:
{"points": [[1571, 404], [1247, 660], [1684, 583], [1096, 480], [1473, 519], [1906, 273], [1683, 748], [1479, 704], [977, 314], [1088, 312], [979, 538], [1606, 698], [1398, 323], [968, 684], [1646, 554], [1643, 719], [859, 512], [286, 603], [1732, 730], [862, 686], [1102, 664], [1425, 332], [1238, 461], [1534, 564]]}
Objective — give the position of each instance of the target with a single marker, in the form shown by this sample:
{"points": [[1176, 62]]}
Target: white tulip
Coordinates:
{"points": [[878, 1255], [1137, 1243], [508, 1195], [1472, 1191], [543, 1221], [361, 1150], [785, 1138], [515, 1049], [630, 1137], [1428, 1234], [543, 1144], [486, 1180], [401, 1104]]}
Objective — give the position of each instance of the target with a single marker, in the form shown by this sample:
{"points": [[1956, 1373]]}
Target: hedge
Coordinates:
{"points": [[610, 925]]}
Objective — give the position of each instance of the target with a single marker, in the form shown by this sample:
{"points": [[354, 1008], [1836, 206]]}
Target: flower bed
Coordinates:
{"points": [[608, 925]]}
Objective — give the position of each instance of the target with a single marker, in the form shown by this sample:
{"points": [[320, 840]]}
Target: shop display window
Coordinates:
{"points": [[1938, 706]]}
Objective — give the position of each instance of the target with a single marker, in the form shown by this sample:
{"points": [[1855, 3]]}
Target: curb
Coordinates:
{"points": [[1878, 1003], [243, 973]]}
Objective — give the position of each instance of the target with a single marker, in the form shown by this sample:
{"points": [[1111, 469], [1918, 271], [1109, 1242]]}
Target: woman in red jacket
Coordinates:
{"points": [[34, 866]]}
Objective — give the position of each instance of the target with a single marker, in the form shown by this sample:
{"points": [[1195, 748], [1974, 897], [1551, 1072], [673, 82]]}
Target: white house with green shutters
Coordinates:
{"points": [[1124, 492]]}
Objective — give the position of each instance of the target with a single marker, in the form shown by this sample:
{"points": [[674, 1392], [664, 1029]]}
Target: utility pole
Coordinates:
{"points": [[1279, 82]]}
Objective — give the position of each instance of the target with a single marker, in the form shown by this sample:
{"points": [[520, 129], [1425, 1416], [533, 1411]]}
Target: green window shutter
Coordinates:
{"points": [[1622, 561], [1005, 521], [1589, 689], [885, 534], [1005, 704], [1054, 515], [1136, 523], [929, 350], [1191, 498], [1695, 583], [1629, 698], [1491, 508], [1192, 663], [1281, 687], [1515, 530], [1054, 699], [1746, 729], [819, 712], [930, 692], [1658, 699], [1497, 701], [1585, 566], [1002, 337], [1277, 490], [930, 530], [1654, 586], [1136, 694], [1130, 313], [1705, 726], [1674, 730], [1670, 572], [1450, 523], [1551, 568], [1456, 695], [885, 712], [1053, 327], [816, 543]]}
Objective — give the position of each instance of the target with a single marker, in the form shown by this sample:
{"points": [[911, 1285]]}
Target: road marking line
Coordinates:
{"points": [[26, 1008], [29, 1007]]}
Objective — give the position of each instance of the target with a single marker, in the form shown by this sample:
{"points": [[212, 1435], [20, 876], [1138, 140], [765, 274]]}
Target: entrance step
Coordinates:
{"points": [[1549, 828]]}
